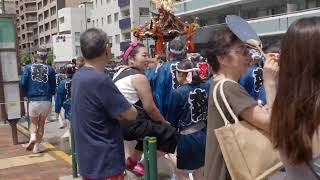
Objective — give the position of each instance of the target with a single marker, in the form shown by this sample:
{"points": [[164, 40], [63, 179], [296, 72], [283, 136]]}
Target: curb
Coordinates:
{"points": [[49, 146]]}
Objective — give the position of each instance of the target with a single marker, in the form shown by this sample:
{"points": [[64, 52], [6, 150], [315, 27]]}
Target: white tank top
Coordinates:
{"points": [[125, 86]]}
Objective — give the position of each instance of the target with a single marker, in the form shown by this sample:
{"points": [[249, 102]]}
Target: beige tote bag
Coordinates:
{"points": [[247, 151]]}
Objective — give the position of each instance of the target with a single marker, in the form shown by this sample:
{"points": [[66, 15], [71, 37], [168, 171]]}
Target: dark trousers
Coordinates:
{"points": [[136, 130]]}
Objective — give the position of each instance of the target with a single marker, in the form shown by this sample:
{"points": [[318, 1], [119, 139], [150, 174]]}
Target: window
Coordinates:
{"points": [[41, 41], [78, 51], [93, 23], [101, 2], [116, 17], [110, 39], [40, 17], [45, 2], [118, 38], [102, 21], [96, 3], [127, 36], [46, 27], [39, 5], [40, 29], [53, 11], [61, 20], [77, 36], [53, 24], [144, 11], [109, 19], [97, 22], [46, 14]]}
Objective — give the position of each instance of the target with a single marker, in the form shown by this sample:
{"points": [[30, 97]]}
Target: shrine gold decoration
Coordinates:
{"points": [[165, 27]]}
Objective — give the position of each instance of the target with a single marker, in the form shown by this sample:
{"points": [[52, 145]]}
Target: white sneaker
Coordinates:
{"points": [[37, 149], [33, 138]]}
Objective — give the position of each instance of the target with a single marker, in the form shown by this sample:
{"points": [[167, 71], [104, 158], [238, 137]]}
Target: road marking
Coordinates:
{"points": [[25, 160], [58, 153], [49, 146]]}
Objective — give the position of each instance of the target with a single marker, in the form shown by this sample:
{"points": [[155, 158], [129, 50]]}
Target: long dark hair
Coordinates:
{"points": [[296, 112]]}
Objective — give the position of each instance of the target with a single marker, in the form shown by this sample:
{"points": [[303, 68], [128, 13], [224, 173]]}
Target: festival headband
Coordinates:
{"points": [[42, 53], [175, 52], [132, 45], [187, 70], [190, 73]]}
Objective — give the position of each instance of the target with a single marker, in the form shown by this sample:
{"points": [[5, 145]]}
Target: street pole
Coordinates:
{"points": [[85, 13], [3, 8]]}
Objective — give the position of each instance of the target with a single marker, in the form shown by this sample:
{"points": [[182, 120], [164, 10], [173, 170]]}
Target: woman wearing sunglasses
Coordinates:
{"points": [[229, 59]]}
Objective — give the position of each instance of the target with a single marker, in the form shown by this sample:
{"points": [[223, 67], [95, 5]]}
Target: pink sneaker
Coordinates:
{"points": [[130, 163], [139, 169]]}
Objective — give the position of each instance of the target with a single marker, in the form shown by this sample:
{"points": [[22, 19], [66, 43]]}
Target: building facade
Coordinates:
{"points": [[118, 17], [270, 19], [10, 7], [37, 22], [72, 22], [26, 23]]}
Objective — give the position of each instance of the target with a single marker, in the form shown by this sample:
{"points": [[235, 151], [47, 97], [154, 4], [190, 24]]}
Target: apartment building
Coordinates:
{"points": [[118, 17], [72, 22], [38, 22], [270, 18], [26, 22], [10, 7]]}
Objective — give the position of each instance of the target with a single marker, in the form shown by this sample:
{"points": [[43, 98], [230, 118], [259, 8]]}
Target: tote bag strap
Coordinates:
{"points": [[224, 99]]}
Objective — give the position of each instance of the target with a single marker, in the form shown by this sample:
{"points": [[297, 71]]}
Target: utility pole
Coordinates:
{"points": [[85, 14], [3, 7]]}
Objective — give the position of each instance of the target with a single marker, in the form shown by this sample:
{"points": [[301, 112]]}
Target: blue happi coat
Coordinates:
{"points": [[38, 82], [189, 105], [252, 81], [151, 75], [63, 98], [165, 83]]}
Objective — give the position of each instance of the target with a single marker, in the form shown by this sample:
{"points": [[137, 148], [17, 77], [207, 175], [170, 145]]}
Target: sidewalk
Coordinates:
{"points": [[16, 163]]}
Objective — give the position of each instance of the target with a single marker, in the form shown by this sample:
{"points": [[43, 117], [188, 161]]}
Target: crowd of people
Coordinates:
{"points": [[172, 100]]}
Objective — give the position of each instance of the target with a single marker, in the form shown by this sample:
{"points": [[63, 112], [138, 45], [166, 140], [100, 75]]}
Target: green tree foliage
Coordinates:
{"points": [[25, 56], [50, 57]]}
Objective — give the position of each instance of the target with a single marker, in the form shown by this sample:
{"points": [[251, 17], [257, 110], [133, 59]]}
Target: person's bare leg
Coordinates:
{"points": [[181, 175], [198, 174], [40, 132], [136, 155], [34, 121]]}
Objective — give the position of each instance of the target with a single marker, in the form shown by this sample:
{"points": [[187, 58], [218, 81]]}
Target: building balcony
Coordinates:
{"points": [[32, 19], [123, 3], [189, 7], [279, 24], [30, 9], [125, 23], [30, 1], [264, 26]]}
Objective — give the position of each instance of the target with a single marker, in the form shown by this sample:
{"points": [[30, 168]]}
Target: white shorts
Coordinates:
{"points": [[39, 107]]}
